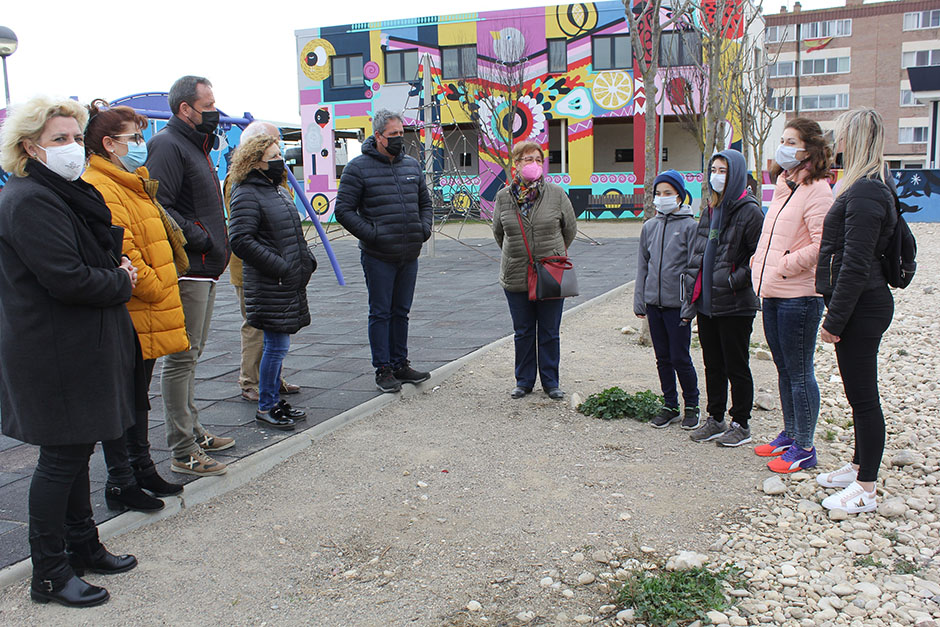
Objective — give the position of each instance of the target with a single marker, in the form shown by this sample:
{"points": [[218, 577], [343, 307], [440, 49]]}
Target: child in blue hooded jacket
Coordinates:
{"points": [[659, 296]]}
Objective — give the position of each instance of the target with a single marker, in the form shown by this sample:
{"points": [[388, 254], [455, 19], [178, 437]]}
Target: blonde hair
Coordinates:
{"points": [[523, 147], [27, 121], [247, 155], [861, 132]]}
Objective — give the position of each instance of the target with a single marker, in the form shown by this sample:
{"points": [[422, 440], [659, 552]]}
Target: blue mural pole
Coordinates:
{"points": [[242, 123]]}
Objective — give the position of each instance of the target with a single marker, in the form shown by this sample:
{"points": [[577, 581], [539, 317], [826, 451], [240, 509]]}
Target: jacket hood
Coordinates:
{"points": [[132, 180], [736, 180], [370, 147]]}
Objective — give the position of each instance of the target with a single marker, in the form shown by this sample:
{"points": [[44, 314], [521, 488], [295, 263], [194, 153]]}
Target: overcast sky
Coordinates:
{"points": [[108, 49]]}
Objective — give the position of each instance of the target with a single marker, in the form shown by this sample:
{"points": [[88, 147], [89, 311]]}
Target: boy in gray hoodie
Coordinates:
{"points": [[664, 254]]}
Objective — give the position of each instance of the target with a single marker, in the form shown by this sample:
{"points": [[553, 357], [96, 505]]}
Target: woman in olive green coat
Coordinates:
{"points": [[550, 227]]}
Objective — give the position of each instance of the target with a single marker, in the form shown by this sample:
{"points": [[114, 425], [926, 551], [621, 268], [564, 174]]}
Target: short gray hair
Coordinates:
{"points": [[381, 119], [257, 127], [184, 90]]}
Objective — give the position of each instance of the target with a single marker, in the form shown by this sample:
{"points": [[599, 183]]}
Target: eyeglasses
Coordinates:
{"points": [[531, 160], [135, 138]]}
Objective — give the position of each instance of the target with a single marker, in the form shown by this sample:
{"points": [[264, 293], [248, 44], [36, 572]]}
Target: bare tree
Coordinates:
{"points": [[648, 20]]}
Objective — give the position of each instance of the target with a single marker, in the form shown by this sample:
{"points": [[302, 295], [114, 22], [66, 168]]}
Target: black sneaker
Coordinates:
{"points": [[385, 380], [290, 412], [406, 374], [690, 418], [276, 419], [665, 417]]}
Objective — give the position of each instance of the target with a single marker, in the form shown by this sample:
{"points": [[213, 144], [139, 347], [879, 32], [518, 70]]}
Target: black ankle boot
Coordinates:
{"points": [[130, 498], [158, 485], [97, 559], [75, 592]]}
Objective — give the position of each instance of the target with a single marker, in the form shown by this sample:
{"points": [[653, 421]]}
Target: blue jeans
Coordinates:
{"points": [[671, 342], [391, 291], [790, 326], [275, 349], [531, 321]]}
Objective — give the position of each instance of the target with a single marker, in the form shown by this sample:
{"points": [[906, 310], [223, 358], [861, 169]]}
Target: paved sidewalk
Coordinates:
{"points": [[459, 307]]}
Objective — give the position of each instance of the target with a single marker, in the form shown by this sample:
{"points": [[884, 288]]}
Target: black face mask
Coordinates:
{"points": [[395, 145], [275, 170], [210, 122]]}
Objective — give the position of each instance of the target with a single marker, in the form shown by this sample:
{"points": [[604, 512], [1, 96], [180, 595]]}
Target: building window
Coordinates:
{"points": [[919, 58], [921, 19], [401, 66], [824, 102], [612, 52], [680, 48], [557, 56], [907, 99], [781, 69], [835, 65], [827, 28], [778, 34], [781, 103], [347, 71], [459, 62], [912, 135]]}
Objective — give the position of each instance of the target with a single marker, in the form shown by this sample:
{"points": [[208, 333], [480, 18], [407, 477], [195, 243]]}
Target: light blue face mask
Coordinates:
{"points": [[135, 157]]}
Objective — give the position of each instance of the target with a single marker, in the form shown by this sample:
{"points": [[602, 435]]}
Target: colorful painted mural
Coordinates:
{"points": [[512, 75]]}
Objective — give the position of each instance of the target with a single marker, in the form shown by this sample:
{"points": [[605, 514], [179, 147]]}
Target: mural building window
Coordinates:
{"points": [[827, 28], [822, 102], [921, 19], [781, 68], [401, 66], [557, 56], [912, 135], [907, 99], [680, 48], [919, 58], [347, 71], [612, 52], [777, 34], [835, 65], [459, 62], [781, 103]]}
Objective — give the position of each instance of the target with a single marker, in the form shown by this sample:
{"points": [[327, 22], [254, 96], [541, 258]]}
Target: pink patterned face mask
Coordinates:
{"points": [[531, 171]]}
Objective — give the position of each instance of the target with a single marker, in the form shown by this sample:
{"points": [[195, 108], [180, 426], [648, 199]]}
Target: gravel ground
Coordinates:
{"points": [[525, 510]]}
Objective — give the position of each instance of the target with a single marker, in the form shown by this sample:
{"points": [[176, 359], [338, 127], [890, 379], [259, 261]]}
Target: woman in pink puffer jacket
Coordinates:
{"points": [[783, 271]]}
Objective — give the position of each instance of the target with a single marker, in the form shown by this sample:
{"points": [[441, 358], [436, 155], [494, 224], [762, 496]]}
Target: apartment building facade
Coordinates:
{"points": [[827, 61]]}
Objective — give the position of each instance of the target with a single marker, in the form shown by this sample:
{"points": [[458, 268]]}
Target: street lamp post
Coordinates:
{"points": [[8, 44]]}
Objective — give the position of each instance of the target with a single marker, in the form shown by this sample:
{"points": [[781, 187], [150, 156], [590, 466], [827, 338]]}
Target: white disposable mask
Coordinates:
{"points": [[786, 157], [66, 161], [666, 204], [718, 182]]}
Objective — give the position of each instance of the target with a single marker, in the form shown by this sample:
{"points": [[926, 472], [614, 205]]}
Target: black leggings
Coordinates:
{"points": [[857, 353]]}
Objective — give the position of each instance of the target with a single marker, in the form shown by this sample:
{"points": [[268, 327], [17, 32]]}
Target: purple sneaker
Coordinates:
{"points": [[794, 459], [779, 444]]}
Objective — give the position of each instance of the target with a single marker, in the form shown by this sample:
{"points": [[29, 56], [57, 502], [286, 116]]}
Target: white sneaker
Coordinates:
{"points": [[852, 500], [841, 478]]}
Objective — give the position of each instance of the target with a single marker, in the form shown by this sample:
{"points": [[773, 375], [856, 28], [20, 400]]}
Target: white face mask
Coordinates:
{"points": [[786, 157], [66, 161], [666, 204], [718, 182]]}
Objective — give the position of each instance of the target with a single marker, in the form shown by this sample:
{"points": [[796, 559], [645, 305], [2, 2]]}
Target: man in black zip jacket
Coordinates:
{"points": [[178, 157], [383, 200]]}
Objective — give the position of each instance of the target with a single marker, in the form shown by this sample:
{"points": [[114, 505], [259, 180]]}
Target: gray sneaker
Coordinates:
{"points": [[735, 436], [665, 417], [710, 430], [690, 418]]}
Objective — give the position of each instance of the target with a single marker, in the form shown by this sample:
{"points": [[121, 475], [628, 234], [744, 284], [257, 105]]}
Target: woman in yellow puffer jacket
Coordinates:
{"points": [[117, 152]]}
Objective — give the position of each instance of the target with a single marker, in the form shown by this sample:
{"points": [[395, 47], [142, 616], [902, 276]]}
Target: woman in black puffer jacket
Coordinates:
{"points": [[266, 233], [859, 304]]}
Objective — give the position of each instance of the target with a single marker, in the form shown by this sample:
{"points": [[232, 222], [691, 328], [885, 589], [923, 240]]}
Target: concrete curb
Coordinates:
{"points": [[251, 467]]}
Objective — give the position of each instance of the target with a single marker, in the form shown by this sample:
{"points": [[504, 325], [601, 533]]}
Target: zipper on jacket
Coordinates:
{"points": [[832, 259], [662, 246], [770, 240]]}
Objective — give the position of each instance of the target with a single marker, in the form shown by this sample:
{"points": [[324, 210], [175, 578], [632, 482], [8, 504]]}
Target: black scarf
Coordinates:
{"points": [[84, 200]]}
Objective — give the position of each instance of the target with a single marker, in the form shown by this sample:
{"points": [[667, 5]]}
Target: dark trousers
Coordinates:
{"points": [[671, 341], [857, 354], [391, 291], [129, 456], [791, 326], [59, 509], [537, 326], [725, 341]]}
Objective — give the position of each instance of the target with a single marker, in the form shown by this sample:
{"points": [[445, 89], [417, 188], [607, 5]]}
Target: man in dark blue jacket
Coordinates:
{"points": [[178, 157], [383, 200]]}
